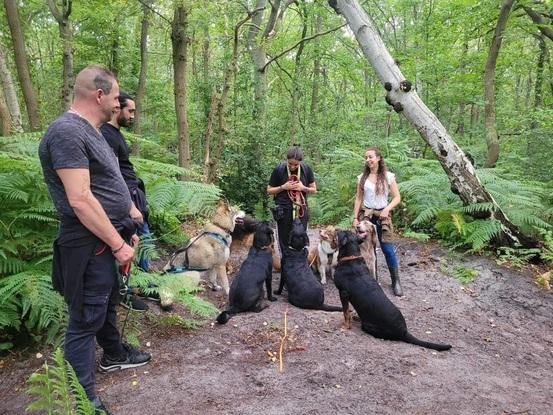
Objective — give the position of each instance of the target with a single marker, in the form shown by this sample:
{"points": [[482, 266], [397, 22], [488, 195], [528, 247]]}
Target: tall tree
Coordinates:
{"points": [[6, 82], [492, 139], [61, 14], [139, 98], [179, 39], [404, 99], [22, 65], [5, 118]]}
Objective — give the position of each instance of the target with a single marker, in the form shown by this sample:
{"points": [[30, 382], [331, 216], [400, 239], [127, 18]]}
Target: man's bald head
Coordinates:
{"points": [[93, 78]]}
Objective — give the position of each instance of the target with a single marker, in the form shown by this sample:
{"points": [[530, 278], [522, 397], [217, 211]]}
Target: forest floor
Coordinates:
{"points": [[500, 326]]}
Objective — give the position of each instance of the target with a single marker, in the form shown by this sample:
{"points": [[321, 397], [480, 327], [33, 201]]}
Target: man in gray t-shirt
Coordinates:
{"points": [[96, 228]]}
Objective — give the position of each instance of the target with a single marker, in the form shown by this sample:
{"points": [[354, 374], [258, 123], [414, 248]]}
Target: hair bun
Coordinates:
{"points": [[295, 145]]}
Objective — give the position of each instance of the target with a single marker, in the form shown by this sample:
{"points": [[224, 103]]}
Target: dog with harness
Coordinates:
{"points": [[210, 250]]}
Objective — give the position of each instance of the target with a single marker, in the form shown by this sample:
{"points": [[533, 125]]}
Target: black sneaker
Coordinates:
{"points": [[99, 407], [135, 358], [134, 303]]}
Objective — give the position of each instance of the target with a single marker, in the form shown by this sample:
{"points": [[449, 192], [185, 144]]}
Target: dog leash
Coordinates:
{"points": [[296, 196], [349, 258]]}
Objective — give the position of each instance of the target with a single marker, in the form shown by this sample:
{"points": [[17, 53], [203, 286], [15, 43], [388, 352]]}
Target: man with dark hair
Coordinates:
{"points": [[97, 228], [123, 117]]}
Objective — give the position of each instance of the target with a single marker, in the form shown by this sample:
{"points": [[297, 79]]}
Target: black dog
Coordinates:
{"points": [[379, 316], [304, 289], [246, 290]]}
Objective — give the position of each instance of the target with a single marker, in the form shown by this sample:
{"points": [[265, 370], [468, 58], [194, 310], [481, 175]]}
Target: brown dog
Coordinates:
{"points": [[366, 230], [325, 253], [209, 251]]}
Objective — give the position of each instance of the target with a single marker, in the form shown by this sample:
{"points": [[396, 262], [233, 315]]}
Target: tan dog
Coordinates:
{"points": [[209, 251], [367, 231], [318, 258]]}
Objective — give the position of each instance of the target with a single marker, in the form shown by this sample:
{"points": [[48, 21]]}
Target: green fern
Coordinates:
{"points": [[58, 390]]}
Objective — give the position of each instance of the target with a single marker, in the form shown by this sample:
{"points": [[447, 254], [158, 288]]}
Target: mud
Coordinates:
{"points": [[500, 326]]}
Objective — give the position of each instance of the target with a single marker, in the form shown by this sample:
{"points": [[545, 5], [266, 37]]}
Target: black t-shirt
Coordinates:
{"points": [[279, 176], [72, 143], [116, 140]]}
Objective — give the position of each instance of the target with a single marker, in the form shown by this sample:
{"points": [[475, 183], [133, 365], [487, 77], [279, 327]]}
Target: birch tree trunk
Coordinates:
{"points": [[6, 82], [179, 41], [139, 98], [22, 65], [66, 34], [458, 168], [492, 139]]}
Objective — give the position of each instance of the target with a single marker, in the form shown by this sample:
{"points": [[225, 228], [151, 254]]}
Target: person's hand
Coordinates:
{"points": [[125, 254], [297, 186], [384, 213], [355, 222], [136, 215], [135, 240]]}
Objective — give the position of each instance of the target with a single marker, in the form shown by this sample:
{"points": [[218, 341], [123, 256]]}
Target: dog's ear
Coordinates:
{"points": [[374, 236]]}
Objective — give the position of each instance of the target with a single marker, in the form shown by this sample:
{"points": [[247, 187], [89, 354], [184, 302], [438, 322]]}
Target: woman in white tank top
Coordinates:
{"points": [[375, 186]]}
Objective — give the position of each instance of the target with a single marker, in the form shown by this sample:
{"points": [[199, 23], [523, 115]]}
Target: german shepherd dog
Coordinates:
{"points": [[366, 230], [379, 316], [325, 254], [210, 250], [304, 289], [246, 290]]}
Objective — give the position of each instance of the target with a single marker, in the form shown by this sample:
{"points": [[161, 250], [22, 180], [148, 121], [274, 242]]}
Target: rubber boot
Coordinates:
{"points": [[396, 286]]}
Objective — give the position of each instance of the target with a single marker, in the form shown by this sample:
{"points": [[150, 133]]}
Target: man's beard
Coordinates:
{"points": [[123, 122]]}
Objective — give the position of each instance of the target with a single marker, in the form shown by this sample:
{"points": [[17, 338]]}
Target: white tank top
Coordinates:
{"points": [[370, 199]]}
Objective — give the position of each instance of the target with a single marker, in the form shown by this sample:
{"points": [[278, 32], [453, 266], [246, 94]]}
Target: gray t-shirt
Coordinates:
{"points": [[72, 143]]}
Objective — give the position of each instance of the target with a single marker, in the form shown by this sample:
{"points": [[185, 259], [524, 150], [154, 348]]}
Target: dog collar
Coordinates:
{"points": [[349, 258]]}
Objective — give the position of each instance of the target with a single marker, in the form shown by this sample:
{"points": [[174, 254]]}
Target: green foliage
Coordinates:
{"points": [[517, 256], [57, 389], [465, 275]]}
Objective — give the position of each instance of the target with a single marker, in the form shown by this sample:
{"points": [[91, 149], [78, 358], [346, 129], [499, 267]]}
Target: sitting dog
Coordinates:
{"points": [[243, 234], [325, 252], [366, 230], [379, 316], [246, 290], [304, 290], [210, 250]]}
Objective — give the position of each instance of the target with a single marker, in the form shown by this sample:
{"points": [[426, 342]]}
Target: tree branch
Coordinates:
{"points": [[539, 21], [155, 11], [299, 42]]}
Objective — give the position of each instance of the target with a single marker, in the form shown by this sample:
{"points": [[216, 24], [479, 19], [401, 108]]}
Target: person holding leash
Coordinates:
{"points": [[375, 185], [97, 228], [290, 183]]}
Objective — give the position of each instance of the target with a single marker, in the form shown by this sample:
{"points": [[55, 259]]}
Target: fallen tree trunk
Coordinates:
{"points": [[403, 98]]}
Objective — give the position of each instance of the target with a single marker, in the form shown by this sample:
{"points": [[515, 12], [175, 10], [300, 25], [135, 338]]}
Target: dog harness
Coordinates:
{"points": [[178, 270]]}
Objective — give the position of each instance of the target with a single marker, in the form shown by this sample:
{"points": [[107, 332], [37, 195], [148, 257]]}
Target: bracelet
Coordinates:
{"points": [[114, 251]]}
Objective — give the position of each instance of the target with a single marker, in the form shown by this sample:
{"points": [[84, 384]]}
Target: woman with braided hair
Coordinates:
{"points": [[375, 185], [290, 183]]}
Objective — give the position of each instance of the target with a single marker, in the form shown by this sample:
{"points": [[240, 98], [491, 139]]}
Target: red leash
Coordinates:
{"points": [[297, 197]]}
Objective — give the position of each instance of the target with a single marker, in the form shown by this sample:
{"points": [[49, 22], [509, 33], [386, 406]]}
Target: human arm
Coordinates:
{"points": [[273, 190], [396, 199], [90, 212], [357, 205], [135, 214]]}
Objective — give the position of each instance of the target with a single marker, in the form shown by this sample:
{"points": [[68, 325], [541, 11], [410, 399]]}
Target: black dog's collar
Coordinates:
{"points": [[349, 258]]}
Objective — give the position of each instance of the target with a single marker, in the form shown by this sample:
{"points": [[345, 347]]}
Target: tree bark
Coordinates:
{"points": [[492, 139], [457, 166], [543, 26], [294, 116], [22, 65], [66, 34], [208, 162], [180, 41], [5, 118], [6, 82], [140, 90]]}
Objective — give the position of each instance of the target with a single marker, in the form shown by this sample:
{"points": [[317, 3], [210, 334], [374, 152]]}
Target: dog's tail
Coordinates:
{"points": [[409, 338], [326, 307], [226, 315]]}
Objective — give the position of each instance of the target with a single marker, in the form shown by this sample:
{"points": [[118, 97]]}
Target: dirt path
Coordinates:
{"points": [[500, 327]]}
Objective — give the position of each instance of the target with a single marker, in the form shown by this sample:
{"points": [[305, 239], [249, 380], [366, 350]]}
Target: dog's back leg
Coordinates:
{"points": [[213, 279], [221, 273]]}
